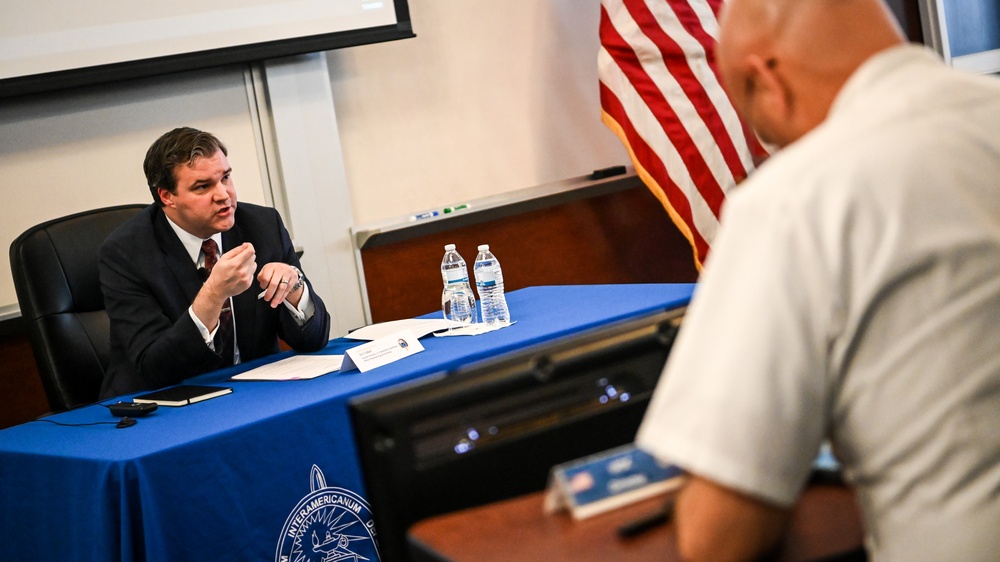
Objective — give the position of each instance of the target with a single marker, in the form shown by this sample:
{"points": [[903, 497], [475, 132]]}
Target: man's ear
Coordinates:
{"points": [[774, 94], [166, 197]]}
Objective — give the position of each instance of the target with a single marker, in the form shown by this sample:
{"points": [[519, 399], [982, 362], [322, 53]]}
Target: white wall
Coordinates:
{"points": [[489, 98]]}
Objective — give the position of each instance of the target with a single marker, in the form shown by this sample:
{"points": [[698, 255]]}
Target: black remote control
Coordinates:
{"points": [[131, 409]]}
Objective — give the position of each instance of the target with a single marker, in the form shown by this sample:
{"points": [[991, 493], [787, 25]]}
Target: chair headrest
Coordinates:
{"points": [[55, 263]]}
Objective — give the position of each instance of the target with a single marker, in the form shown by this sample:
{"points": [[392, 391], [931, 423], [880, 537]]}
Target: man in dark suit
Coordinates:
{"points": [[180, 306]]}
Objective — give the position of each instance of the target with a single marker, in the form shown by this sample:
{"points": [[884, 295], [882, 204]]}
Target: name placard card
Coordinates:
{"points": [[381, 351], [608, 480]]}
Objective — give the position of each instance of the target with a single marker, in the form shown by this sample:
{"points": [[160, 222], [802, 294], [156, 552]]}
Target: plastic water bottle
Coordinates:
{"points": [[458, 302], [489, 283]]}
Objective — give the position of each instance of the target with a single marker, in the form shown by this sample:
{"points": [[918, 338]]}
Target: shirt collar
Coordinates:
{"points": [[191, 242], [876, 69]]}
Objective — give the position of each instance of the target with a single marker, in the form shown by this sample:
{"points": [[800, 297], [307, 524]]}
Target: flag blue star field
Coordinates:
{"points": [[660, 93]]}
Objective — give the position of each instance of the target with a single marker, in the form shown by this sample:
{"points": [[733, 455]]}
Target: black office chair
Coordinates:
{"points": [[59, 293]]}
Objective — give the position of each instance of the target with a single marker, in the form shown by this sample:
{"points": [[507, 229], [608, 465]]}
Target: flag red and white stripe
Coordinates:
{"points": [[661, 95]]}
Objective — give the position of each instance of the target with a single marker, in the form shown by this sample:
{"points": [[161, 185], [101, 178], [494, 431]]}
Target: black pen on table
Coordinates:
{"points": [[652, 520]]}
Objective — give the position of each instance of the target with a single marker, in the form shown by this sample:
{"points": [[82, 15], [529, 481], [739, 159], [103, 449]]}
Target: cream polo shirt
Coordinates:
{"points": [[853, 293]]}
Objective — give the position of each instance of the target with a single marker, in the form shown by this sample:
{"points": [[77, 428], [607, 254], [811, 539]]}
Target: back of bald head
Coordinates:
{"points": [[812, 45], [832, 36]]}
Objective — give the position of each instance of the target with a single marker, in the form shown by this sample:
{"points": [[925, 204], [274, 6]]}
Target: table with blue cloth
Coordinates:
{"points": [[242, 476]]}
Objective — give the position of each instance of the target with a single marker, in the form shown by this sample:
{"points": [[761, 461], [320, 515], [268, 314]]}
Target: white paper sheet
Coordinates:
{"points": [[296, 367], [472, 330], [419, 327]]}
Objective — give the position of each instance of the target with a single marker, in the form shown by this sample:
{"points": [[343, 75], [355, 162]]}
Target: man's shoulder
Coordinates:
{"points": [[257, 217], [253, 210], [135, 229]]}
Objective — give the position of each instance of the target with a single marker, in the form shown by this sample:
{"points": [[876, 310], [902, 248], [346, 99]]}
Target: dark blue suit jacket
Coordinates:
{"points": [[149, 281]]}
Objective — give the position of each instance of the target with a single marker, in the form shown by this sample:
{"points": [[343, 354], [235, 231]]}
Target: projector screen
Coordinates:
{"points": [[51, 44]]}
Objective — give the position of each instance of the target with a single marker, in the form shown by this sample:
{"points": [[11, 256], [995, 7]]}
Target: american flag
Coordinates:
{"points": [[661, 95]]}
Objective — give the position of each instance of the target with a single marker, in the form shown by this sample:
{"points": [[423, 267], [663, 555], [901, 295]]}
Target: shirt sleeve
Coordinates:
{"points": [[741, 401], [305, 310], [208, 336]]}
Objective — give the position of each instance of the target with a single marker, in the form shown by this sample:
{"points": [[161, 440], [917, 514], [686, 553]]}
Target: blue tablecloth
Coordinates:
{"points": [[225, 478]]}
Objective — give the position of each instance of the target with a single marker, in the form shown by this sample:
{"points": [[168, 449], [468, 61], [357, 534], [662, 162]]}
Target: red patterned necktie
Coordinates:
{"points": [[224, 342]]}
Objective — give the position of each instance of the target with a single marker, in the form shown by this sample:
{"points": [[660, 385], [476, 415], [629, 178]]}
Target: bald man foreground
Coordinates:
{"points": [[853, 294]]}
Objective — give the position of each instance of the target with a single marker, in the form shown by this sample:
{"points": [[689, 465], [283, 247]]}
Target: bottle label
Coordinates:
{"points": [[485, 278], [457, 276]]}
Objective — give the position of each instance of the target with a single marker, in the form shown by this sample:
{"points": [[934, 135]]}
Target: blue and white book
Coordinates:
{"points": [[608, 480]]}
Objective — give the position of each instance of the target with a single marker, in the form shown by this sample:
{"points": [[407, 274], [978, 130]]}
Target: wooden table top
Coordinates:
{"points": [[825, 522]]}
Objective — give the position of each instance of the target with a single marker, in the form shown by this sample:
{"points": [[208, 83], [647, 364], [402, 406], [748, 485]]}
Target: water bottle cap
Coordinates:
{"points": [[484, 247], [449, 247]]}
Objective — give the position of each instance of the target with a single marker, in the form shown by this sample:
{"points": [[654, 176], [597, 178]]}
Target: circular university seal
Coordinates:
{"points": [[328, 525]]}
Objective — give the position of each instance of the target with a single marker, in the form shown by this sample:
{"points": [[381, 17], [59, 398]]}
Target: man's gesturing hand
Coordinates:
{"points": [[232, 275], [234, 271]]}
